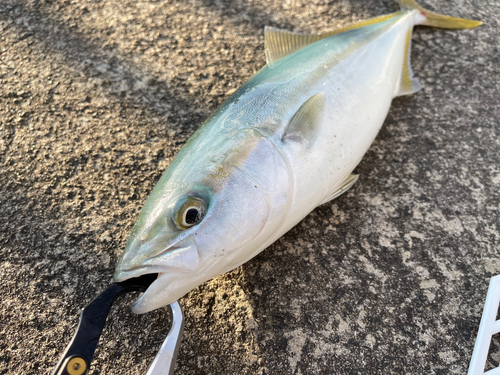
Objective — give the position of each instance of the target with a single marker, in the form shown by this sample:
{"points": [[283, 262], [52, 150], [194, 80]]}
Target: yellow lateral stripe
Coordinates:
{"points": [[361, 24]]}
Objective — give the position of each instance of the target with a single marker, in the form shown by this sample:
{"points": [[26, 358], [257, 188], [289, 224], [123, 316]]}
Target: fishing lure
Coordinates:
{"points": [[283, 144]]}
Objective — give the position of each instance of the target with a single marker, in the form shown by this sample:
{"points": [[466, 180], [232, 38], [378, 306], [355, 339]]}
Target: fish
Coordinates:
{"points": [[283, 144]]}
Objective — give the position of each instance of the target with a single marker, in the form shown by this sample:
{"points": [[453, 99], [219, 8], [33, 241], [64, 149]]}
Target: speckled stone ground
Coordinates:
{"points": [[96, 97]]}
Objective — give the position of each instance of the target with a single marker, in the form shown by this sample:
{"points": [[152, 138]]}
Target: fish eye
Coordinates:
{"points": [[191, 216], [188, 212]]}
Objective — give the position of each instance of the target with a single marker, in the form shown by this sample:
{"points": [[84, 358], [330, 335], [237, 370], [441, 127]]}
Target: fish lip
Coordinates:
{"points": [[123, 275]]}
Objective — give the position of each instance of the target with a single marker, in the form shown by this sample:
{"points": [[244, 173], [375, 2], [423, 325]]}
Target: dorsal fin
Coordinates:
{"points": [[280, 43], [307, 121]]}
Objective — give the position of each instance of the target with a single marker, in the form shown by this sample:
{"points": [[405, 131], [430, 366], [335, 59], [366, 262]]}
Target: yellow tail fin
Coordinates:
{"points": [[438, 20]]}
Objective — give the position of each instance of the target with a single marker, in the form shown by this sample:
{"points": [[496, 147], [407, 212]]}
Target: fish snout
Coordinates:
{"points": [[155, 256]]}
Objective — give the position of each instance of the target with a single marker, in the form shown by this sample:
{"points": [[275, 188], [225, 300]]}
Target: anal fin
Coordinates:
{"points": [[408, 84], [346, 185]]}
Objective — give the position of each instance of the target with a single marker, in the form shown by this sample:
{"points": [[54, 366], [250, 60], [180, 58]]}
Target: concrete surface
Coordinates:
{"points": [[97, 96]]}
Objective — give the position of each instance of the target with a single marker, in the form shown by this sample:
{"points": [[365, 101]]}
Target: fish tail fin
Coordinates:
{"points": [[438, 20], [408, 83]]}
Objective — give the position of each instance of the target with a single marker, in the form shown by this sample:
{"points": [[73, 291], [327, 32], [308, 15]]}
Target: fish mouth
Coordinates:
{"points": [[173, 264], [152, 289], [180, 255]]}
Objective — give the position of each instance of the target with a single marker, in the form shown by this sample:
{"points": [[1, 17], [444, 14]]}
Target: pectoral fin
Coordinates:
{"points": [[306, 123], [346, 185]]}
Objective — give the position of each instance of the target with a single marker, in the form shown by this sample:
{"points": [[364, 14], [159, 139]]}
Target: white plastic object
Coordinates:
{"points": [[164, 362], [487, 328]]}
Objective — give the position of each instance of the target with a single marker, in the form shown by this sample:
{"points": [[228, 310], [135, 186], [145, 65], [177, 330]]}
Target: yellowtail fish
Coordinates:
{"points": [[283, 144]]}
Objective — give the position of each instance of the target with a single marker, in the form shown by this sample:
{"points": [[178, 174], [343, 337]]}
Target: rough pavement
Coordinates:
{"points": [[96, 97]]}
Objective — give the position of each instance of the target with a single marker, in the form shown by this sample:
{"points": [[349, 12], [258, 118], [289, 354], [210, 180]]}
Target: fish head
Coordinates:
{"points": [[197, 223]]}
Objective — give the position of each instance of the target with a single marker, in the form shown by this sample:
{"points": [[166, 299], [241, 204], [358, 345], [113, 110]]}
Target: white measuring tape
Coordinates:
{"points": [[487, 328]]}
